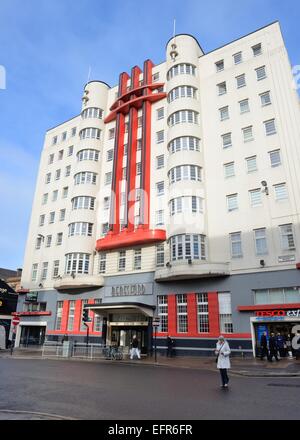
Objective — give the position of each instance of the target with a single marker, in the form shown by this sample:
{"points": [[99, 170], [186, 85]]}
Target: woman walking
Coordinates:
{"points": [[223, 360]]}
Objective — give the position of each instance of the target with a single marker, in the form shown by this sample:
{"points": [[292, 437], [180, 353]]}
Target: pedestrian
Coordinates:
{"points": [[170, 345], [297, 344], [289, 346], [223, 360], [281, 345], [264, 346], [273, 348], [135, 348], [64, 338]]}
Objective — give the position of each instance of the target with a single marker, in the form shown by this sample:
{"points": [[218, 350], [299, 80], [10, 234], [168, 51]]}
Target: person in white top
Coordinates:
{"points": [[223, 360]]}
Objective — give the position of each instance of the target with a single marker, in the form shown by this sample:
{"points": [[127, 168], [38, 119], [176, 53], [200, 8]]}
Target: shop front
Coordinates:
{"points": [[8, 305], [282, 320]]}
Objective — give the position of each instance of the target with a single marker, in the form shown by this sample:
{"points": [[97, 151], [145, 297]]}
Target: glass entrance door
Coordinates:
{"points": [[123, 336]]}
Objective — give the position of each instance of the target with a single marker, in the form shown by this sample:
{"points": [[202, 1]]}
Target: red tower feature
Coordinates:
{"points": [[129, 102]]}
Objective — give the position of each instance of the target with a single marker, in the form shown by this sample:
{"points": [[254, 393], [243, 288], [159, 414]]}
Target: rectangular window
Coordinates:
{"points": [[260, 236], [111, 133], [241, 81], [108, 178], [229, 170], [255, 198], [51, 159], [281, 192], [275, 158], [38, 243], [48, 241], [257, 50], [270, 127], [220, 66], [155, 77], [70, 151], [62, 215], [109, 155], [202, 311], [287, 237], [137, 262], [248, 134], [34, 272], [224, 113], [42, 220], [160, 137], [55, 272], [160, 218], [64, 136], [251, 164], [122, 261], [265, 99], [160, 113], [73, 132], [105, 228], [71, 315], [160, 255], [261, 73], [232, 203], [222, 88], [59, 239], [97, 318], [54, 196], [225, 310], [45, 199], [238, 58], [182, 315], [58, 318], [139, 168], [102, 262], [54, 140], [44, 271], [244, 106], [57, 174], [65, 192], [60, 154], [236, 245], [160, 162], [162, 308], [160, 188], [48, 178], [68, 171], [51, 217], [227, 141]]}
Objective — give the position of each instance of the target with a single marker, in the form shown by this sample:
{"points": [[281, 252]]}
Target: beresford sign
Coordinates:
{"points": [[138, 289]]}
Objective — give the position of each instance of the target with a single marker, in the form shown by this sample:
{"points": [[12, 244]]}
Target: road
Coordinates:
{"points": [[112, 391]]}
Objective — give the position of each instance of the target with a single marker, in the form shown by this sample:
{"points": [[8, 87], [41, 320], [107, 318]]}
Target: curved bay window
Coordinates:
{"points": [[182, 92], [92, 112], [185, 172], [183, 116], [85, 177], [184, 143], [81, 228], [77, 263], [188, 247], [83, 202], [90, 133], [88, 154], [181, 69], [186, 204]]}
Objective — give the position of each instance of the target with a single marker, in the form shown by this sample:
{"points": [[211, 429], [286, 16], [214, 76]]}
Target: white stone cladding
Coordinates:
{"points": [[214, 221]]}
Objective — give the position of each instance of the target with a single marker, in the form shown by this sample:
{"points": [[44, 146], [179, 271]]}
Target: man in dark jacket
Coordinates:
{"points": [[264, 346], [170, 344], [273, 348]]}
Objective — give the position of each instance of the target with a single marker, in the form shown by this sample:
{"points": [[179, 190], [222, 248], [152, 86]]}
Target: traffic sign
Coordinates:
{"points": [[16, 320]]}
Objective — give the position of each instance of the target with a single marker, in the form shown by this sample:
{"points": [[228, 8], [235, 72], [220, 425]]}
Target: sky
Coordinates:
{"points": [[46, 48]]}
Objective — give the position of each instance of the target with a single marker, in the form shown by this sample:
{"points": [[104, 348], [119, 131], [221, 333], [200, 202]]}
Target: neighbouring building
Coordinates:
{"points": [[8, 306], [173, 194]]}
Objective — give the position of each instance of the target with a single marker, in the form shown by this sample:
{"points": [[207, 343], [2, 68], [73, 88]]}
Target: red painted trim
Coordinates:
{"points": [[172, 315], [127, 238], [137, 103], [21, 291], [65, 316], [136, 90], [205, 335], [192, 314], [213, 313], [32, 314], [268, 307], [77, 315], [298, 266]]}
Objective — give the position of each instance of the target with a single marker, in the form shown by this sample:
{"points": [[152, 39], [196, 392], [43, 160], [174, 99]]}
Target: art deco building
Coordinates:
{"points": [[173, 194]]}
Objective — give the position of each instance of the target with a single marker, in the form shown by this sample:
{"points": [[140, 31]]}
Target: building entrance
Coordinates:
{"points": [[32, 335], [287, 330], [123, 336]]}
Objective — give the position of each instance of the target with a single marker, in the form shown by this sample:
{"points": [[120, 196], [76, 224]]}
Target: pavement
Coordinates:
{"points": [[247, 366]]}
